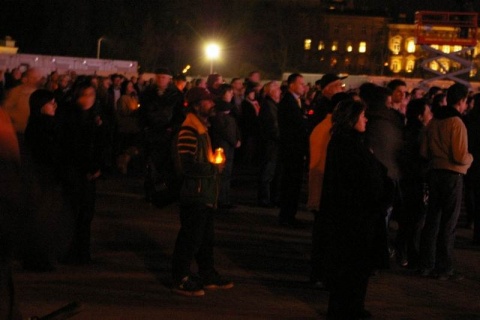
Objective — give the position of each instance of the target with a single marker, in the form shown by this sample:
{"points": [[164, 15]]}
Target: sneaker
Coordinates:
{"points": [[189, 288], [217, 282]]}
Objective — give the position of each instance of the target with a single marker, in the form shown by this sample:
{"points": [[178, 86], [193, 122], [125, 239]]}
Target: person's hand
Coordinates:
{"points": [[93, 176], [239, 144], [220, 166]]}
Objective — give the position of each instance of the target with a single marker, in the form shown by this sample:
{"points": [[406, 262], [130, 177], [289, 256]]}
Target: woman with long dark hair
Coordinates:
{"points": [[353, 205]]}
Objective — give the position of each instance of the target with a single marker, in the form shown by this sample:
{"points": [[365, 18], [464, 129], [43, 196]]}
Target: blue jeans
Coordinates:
{"points": [[438, 235]]}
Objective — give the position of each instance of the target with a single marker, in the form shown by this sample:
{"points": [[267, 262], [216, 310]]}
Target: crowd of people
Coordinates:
{"points": [[372, 155]]}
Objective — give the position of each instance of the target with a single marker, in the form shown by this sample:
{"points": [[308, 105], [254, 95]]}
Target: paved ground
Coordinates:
{"points": [[130, 277]]}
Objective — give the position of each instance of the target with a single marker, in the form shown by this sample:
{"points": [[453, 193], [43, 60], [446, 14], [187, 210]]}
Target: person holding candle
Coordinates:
{"points": [[198, 200]]}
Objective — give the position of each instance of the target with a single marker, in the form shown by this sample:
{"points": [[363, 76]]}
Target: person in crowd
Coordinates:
{"points": [[417, 93], [384, 136], [82, 141], [61, 93], [161, 114], [225, 134], [129, 138], [293, 146], [439, 101], [214, 81], [319, 139], [238, 95], [445, 145], [413, 184], [13, 79], [16, 104], [249, 125], [472, 178], [198, 196], [200, 82], [330, 84], [52, 81], [400, 96], [44, 191], [268, 182], [353, 206], [110, 121], [180, 82], [10, 204]]}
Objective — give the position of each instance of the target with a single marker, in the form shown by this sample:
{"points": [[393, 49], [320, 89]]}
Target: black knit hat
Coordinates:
{"points": [[38, 99]]}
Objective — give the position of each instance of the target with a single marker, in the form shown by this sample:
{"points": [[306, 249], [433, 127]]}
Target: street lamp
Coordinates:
{"points": [[99, 42], [212, 52]]}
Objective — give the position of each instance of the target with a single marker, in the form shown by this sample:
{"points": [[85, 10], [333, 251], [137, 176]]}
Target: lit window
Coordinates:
{"points": [[396, 65], [307, 45], [457, 48], [334, 45], [410, 65], [473, 72], [395, 44], [362, 47], [435, 46], [446, 49], [321, 45], [434, 65], [349, 47], [411, 46]]}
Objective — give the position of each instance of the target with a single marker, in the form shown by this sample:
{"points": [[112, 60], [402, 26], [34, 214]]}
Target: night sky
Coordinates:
{"points": [[163, 32]]}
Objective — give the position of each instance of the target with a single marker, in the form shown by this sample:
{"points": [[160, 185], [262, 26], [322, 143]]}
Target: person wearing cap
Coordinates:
{"points": [[330, 84], [161, 114], [198, 200], [293, 149]]}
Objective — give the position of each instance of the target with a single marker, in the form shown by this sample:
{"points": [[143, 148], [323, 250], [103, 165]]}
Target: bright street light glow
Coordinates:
{"points": [[212, 51]]}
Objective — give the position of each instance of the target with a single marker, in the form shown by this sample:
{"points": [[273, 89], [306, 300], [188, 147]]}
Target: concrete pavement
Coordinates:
{"points": [[130, 277]]}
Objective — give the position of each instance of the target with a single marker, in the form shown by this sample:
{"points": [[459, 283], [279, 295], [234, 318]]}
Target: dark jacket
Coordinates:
{"points": [[268, 118], [385, 137], [354, 197], [472, 122], [224, 130], [292, 126], [194, 152]]}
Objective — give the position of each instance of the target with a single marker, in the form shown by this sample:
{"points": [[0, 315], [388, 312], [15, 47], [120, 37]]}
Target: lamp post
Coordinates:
{"points": [[212, 52], [99, 42]]}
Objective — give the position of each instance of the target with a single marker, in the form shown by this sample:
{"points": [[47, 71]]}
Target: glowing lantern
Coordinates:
{"points": [[219, 156]]}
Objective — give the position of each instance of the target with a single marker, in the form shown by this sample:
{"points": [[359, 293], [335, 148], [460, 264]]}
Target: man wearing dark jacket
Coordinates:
{"points": [[292, 126], [198, 200]]}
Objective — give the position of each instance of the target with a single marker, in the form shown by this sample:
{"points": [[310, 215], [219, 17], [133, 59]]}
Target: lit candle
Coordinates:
{"points": [[219, 156]]}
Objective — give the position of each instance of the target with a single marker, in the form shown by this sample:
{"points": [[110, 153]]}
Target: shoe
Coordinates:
{"points": [[450, 276], [216, 282], [189, 288]]}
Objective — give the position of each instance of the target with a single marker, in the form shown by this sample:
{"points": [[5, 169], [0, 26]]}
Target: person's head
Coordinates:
{"points": [[433, 91], [200, 82], [33, 77], [180, 81], [116, 80], [296, 84], [417, 93], [163, 77], [330, 84], [226, 92], [349, 115], [237, 84], [250, 91], [457, 95], [272, 90], [127, 87], [376, 97], [399, 90], [200, 101], [418, 112], [214, 80], [84, 93], [63, 81], [42, 102], [254, 76], [337, 98]]}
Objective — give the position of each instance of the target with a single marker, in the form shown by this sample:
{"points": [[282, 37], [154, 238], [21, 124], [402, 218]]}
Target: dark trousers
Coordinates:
{"points": [[195, 240], [438, 236], [268, 177], [472, 201], [291, 185], [347, 297], [81, 195]]}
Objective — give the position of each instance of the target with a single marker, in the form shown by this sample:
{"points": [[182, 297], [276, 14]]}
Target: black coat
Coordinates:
{"points": [[353, 203], [292, 125]]}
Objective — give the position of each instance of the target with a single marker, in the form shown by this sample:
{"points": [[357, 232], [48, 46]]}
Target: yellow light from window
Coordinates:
{"points": [[335, 46], [446, 49], [307, 45], [457, 48], [411, 46], [362, 47], [321, 45], [349, 47]]}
